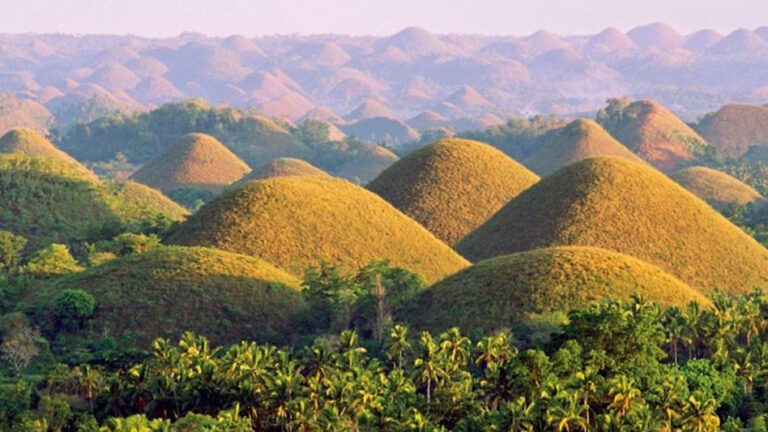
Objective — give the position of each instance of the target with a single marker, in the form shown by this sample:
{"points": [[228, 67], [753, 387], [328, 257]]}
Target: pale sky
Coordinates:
{"points": [[376, 17]]}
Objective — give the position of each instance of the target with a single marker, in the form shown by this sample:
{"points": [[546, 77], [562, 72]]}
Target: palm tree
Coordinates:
{"points": [[669, 400], [428, 366], [624, 395], [700, 416], [456, 347], [398, 344], [566, 414]]}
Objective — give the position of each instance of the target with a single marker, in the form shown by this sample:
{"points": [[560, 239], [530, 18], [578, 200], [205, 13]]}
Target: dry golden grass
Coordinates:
{"points": [[297, 222], [194, 160], [452, 186], [285, 167], [657, 135], [169, 290], [503, 291], [715, 187], [631, 208], [734, 128], [582, 138], [28, 142]]}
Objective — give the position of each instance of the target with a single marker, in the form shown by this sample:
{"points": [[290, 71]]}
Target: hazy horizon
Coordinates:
{"points": [[168, 18]]}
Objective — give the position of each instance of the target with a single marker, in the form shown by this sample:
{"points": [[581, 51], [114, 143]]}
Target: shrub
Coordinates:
{"points": [[129, 243], [11, 247], [72, 307], [55, 260]]}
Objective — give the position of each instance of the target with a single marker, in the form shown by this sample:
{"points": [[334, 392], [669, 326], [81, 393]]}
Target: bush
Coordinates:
{"points": [[55, 260], [129, 243], [11, 247], [72, 307]]}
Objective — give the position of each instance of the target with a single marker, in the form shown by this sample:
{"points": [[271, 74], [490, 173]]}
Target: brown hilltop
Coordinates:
{"points": [[624, 206], [298, 222], [733, 129], [452, 186], [285, 167], [580, 139], [194, 160]]}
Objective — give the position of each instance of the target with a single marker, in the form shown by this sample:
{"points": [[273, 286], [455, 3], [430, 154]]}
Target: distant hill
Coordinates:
{"points": [[224, 296], [653, 133], [28, 142], [135, 202], [285, 167], [656, 35], [452, 186], [297, 222], [733, 129], [194, 160], [580, 139], [715, 187], [366, 163], [631, 208], [382, 130], [15, 113], [500, 292]]}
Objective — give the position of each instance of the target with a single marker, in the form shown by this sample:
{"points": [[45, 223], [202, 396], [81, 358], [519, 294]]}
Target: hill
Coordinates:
{"points": [[170, 290], [368, 162], [28, 142], [715, 187], [135, 202], [653, 133], [580, 139], [631, 208], [500, 292], [735, 128], [194, 160], [656, 35], [452, 186], [297, 222], [285, 167]]}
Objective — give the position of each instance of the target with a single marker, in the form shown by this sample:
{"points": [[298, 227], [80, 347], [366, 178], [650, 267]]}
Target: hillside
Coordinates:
{"points": [[452, 186], [631, 208], [717, 188], [285, 167], [500, 292], [135, 202], [653, 133], [194, 160], [297, 222], [366, 163], [735, 128], [224, 296], [28, 142], [580, 139]]}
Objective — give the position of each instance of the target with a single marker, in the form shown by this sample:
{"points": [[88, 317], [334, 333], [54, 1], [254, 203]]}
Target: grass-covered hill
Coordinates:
{"points": [[715, 187], [48, 200], [169, 290], [652, 132], [580, 139], [194, 161], [285, 167], [631, 208], [452, 186], [252, 137], [503, 291], [29, 142], [297, 222], [733, 129]]}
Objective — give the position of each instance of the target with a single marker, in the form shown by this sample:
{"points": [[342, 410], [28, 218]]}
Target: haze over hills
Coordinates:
{"points": [[410, 72]]}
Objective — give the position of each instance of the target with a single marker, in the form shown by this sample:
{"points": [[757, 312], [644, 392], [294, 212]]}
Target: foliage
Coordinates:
{"points": [[519, 137], [54, 260], [452, 186], [19, 342], [630, 208], [298, 222], [72, 307], [507, 291], [11, 248]]}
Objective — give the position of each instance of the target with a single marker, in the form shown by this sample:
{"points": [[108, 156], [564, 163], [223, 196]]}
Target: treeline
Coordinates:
{"points": [[631, 366]]}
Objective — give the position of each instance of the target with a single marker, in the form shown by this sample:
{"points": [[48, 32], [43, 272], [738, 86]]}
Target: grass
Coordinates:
{"points": [[28, 142], [285, 167], [297, 222], [656, 135], [48, 200], [734, 128], [194, 160], [580, 139], [717, 188], [503, 291], [452, 186], [366, 163], [169, 290], [631, 208]]}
